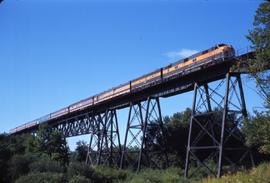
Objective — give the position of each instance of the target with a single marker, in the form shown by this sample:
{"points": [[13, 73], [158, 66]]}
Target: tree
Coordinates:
{"points": [[175, 138], [257, 129], [53, 144], [257, 132], [260, 40], [81, 151], [19, 165], [57, 147], [5, 155]]}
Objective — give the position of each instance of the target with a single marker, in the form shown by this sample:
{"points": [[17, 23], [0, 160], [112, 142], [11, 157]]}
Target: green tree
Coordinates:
{"points": [[57, 148], [18, 144], [19, 165], [5, 155], [257, 132], [53, 144], [45, 164], [260, 40], [174, 140], [79, 169], [257, 129], [81, 151]]}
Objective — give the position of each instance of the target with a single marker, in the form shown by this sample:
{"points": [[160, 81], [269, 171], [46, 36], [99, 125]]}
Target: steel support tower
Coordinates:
{"points": [[104, 146], [216, 119], [142, 117]]}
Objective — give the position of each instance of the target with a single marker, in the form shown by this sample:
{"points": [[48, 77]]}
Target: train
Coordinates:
{"points": [[218, 52]]}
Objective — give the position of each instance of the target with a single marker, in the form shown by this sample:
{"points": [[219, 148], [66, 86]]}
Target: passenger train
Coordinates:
{"points": [[219, 52]]}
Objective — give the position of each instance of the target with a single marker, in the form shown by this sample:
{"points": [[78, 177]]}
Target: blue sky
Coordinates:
{"points": [[54, 53]]}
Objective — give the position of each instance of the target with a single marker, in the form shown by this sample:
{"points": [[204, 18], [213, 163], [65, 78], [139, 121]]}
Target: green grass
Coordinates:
{"points": [[171, 175], [260, 174]]}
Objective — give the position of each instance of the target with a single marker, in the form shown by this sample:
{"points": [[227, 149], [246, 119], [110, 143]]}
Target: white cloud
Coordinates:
{"points": [[183, 53]]}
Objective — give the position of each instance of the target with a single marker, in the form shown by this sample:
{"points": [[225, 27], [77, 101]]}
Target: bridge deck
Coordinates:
{"points": [[170, 86]]}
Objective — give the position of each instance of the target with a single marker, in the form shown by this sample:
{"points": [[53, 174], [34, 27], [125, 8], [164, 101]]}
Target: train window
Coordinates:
{"points": [[194, 60], [206, 51], [186, 59]]}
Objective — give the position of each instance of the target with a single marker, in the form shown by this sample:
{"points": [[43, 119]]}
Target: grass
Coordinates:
{"points": [[260, 174]]}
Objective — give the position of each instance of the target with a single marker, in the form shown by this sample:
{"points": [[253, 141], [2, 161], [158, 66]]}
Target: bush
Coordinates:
{"points": [[171, 175], [19, 165], [79, 179], [109, 175], [42, 177], [257, 132], [45, 164], [149, 176], [79, 169], [261, 174]]}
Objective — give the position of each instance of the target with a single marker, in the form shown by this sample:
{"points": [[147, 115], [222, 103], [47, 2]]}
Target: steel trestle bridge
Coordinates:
{"points": [[101, 123]]}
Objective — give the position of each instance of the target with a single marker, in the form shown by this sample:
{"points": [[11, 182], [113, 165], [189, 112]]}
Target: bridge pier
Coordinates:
{"points": [[214, 131], [95, 138], [104, 146], [141, 118]]}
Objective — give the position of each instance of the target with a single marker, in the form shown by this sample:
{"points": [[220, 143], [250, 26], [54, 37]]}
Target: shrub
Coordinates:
{"points": [[79, 169], [109, 175], [19, 165], [45, 164], [171, 175], [147, 176], [261, 174], [79, 179], [42, 177]]}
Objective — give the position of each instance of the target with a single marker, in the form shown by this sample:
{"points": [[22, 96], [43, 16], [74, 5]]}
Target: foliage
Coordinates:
{"points": [[79, 179], [5, 155], [260, 40], [79, 169], [53, 144], [42, 177], [19, 165], [109, 175], [257, 132], [176, 133], [45, 164], [261, 174], [172, 175], [57, 148], [81, 151], [174, 138], [19, 144]]}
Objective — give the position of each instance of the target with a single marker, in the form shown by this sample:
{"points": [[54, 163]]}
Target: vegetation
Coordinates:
{"points": [[260, 174], [260, 40], [46, 157], [257, 128], [257, 132]]}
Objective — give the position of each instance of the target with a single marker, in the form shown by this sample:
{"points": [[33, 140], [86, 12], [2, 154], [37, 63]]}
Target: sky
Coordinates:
{"points": [[56, 52]]}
